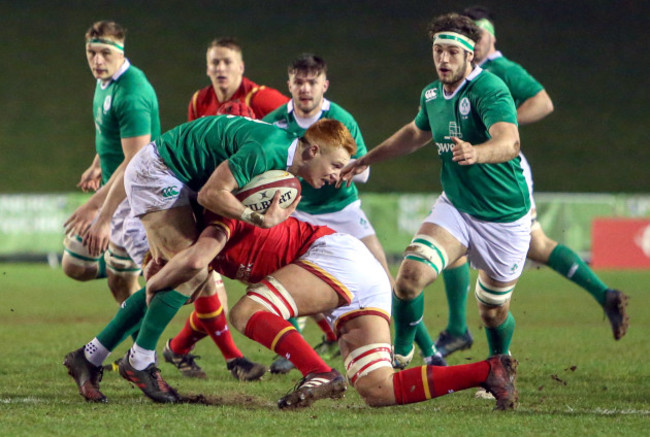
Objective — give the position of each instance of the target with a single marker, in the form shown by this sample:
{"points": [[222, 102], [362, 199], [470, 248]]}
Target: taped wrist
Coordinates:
{"points": [[252, 217]]}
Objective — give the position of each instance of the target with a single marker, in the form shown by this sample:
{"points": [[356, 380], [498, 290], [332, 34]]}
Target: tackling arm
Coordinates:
{"points": [[406, 140], [191, 262]]}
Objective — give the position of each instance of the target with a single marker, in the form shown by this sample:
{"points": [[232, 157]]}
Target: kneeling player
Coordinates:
{"points": [[300, 269]]}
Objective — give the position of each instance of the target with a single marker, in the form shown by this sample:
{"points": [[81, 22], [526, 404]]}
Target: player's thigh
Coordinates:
{"points": [[170, 231], [541, 245], [311, 294]]}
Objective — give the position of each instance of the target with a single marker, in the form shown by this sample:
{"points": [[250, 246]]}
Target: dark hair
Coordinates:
{"points": [[454, 23], [308, 63], [226, 41], [106, 28], [478, 12]]}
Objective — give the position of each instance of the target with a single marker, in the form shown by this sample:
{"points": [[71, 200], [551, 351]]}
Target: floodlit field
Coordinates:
{"points": [[574, 379]]}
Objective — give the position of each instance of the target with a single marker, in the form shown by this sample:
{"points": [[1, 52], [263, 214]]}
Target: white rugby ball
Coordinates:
{"points": [[258, 193]]}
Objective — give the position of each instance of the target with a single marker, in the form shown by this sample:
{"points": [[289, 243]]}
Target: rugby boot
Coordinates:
{"points": [[401, 362], [149, 381], [245, 370], [281, 366], [501, 381], [447, 343], [86, 375], [328, 349], [615, 303], [315, 386], [183, 362]]}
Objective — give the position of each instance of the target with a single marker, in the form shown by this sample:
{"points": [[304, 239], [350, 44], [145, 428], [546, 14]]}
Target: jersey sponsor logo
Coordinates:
{"points": [[107, 103], [464, 106], [431, 94], [170, 192], [444, 147]]}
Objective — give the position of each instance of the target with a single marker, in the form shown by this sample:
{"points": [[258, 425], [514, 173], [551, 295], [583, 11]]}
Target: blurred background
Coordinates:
{"points": [[590, 55]]}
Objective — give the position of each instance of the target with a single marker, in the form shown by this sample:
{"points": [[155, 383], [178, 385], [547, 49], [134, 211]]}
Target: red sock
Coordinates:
{"points": [[282, 338], [191, 333], [327, 329], [426, 382], [212, 319]]}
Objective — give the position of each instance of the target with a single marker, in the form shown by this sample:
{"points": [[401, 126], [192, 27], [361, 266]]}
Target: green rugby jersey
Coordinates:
{"points": [[521, 84], [328, 198], [194, 149], [490, 192], [126, 107]]}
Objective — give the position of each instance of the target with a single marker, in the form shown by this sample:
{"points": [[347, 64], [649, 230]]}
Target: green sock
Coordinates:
{"points": [[126, 321], [423, 339], [457, 288], [499, 338], [567, 263], [294, 322], [101, 268], [406, 316], [162, 309]]}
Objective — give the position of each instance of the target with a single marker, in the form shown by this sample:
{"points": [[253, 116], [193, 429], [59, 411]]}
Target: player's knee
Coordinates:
{"points": [[424, 259], [241, 313], [493, 301], [408, 284], [369, 370], [80, 271], [541, 246], [376, 388], [274, 297], [77, 262]]}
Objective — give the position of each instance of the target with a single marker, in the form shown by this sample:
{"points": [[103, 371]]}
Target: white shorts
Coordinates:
{"points": [[127, 231], [350, 220], [353, 272], [497, 248], [151, 186]]}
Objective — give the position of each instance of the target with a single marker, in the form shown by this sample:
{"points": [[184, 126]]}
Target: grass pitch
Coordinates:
{"points": [[574, 379]]}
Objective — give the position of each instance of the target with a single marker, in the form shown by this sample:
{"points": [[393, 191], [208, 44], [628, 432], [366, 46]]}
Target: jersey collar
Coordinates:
{"points": [[492, 57], [306, 122], [292, 152], [475, 72], [125, 66]]}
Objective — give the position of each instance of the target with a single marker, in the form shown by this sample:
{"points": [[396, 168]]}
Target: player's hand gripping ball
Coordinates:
{"points": [[258, 193], [235, 107]]}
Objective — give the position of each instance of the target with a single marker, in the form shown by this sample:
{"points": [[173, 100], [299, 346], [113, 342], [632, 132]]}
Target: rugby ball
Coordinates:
{"points": [[258, 193]]}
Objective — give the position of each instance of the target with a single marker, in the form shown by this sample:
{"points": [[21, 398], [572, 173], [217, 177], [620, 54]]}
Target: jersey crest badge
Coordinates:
{"points": [[464, 106]]}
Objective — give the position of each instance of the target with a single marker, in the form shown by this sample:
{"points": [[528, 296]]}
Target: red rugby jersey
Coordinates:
{"points": [[252, 253], [260, 98]]}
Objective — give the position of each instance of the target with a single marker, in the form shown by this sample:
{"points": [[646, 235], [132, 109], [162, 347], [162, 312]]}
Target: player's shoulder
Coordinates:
{"points": [[279, 113], [485, 80], [339, 113]]}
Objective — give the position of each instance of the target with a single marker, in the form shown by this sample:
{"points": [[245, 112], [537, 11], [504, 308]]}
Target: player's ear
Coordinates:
{"points": [[326, 85]]}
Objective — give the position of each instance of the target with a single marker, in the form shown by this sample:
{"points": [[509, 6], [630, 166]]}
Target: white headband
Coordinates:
{"points": [[454, 39]]}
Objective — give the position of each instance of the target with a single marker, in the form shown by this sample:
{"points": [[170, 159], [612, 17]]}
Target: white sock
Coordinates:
{"points": [[95, 352], [141, 358]]}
